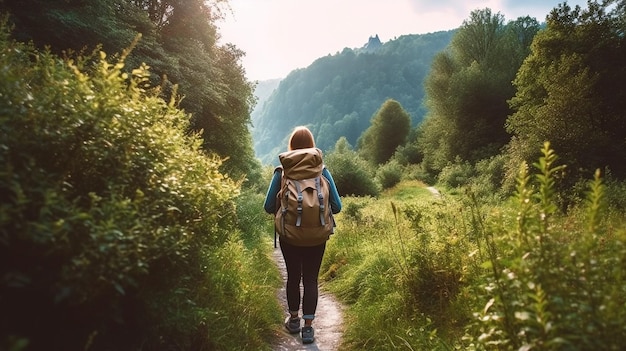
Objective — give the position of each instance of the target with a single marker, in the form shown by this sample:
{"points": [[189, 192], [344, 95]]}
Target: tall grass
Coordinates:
{"points": [[557, 280], [425, 273], [373, 259]]}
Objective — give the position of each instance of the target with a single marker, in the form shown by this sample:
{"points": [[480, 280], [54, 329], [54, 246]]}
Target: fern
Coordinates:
{"points": [[596, 203]]}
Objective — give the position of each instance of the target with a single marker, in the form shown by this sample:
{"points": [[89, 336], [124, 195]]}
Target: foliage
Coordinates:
{"points": [[456, 175], [409, 153], [389, 174], [115, 226], [549, 285], [616, 193], [453, 273], [571, 90], [178, 42], [64, 25], [351, 173], [338, 94], [487, 181], [377, 265], [468, 87], [483, 179], [389, 129]]}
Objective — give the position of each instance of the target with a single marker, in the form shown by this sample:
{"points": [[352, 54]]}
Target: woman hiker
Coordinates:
{"points": [[302, 250]]}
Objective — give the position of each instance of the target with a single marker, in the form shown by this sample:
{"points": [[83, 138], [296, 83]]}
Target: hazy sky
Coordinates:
{"points": [[279, 36]]}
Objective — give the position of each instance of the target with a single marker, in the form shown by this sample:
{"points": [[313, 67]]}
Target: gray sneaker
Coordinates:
{"points": [[292, 325], [308, 335]]}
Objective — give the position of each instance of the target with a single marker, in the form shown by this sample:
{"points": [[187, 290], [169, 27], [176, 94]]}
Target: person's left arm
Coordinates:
{"points": [[335, 200]]}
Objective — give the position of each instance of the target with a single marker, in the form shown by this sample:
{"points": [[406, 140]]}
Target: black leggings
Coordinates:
{"points": [[302, 262]]}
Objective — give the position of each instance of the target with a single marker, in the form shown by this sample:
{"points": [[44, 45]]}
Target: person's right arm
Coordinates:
{"points": [[335, 200], [270, 198]]}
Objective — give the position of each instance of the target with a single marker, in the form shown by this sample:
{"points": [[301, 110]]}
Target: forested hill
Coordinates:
{"points": [[337, 95], [262, 92]]}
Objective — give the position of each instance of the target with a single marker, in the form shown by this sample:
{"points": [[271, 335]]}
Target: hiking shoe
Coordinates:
{"points": [[292, 325], [308, 335]]}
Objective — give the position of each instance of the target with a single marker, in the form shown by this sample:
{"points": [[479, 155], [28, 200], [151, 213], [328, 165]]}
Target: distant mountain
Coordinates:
{"points": [[337, 95], [263, 90]]}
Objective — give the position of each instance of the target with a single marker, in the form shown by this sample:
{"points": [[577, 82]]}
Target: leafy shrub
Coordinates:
{"points": [[615, 193], [408, 154], [112, 217], [488, 178], [456, 175], [417, 172], [352, 174], [389, 174]]}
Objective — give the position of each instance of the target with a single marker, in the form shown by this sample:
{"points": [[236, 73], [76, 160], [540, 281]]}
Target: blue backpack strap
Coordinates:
{"points": [[278, 169]]}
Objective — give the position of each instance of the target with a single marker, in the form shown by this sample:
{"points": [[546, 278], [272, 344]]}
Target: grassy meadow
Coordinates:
{"points": [[424, 272]]}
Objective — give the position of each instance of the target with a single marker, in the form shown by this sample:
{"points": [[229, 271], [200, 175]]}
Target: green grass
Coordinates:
{"points": [[408, 191], [418, 272], [368, 264]]}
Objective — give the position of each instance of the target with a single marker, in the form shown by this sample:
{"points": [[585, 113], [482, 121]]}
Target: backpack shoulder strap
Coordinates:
{"points": [[320, 198], [299, 198], [278, 169]]}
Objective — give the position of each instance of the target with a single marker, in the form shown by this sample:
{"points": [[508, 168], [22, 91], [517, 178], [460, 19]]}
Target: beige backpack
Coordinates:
{"points": [[303, 215]]}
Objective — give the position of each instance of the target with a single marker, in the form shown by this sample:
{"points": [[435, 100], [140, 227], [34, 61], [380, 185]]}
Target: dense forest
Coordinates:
{"points": [[131, 196]]}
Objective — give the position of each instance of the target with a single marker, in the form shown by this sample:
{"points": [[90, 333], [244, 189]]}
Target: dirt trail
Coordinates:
{"points": [[434, 191], [328, 320]]}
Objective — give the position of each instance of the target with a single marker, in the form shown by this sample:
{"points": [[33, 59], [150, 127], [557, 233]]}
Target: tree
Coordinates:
{"points": [[352, 174], [468, 88], [178, 42], [478, 38], [389, 129], [571, 91], [111, 212]]}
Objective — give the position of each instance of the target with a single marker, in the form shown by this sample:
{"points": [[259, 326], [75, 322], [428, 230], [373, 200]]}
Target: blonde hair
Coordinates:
{"points": [[301, 138]]}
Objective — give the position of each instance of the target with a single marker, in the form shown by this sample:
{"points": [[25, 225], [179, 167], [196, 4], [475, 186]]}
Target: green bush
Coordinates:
{"points": [[408, 154], [456, 175], [615, 193], [456, 273], [389, 174], [352, 174], [417, 172], [487, 182], [112, 218]]}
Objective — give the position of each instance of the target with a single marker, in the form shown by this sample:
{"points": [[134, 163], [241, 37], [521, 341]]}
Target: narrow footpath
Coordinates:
{"points": [[328, 322], [434, 191]]}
